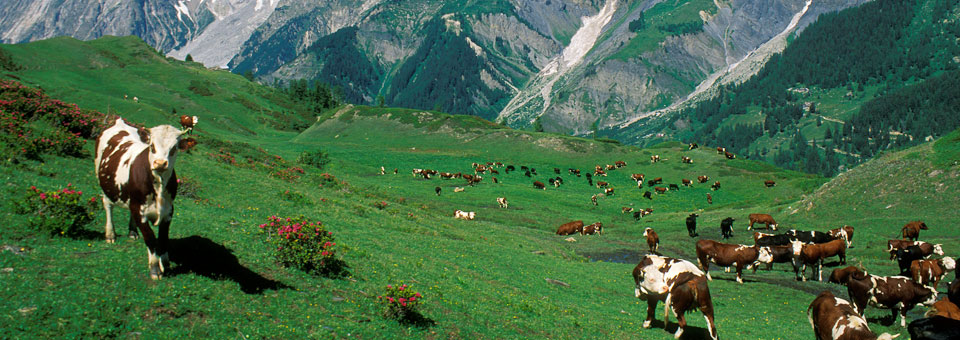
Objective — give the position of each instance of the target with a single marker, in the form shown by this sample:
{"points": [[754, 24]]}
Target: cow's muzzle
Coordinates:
{"points": [[160, 165]]}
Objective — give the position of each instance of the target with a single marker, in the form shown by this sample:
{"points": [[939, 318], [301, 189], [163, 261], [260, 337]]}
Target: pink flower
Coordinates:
{"points": [[402, 287], [402, 300], [412, 299], [43, 196]]}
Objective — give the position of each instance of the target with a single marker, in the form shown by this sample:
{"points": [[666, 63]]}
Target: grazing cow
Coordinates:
{"points": [[625, 210], [574, 172], [660, 190], [898, 293], [570, 228], [721, 150], [715, 186], [556, 171], [594, 198], [709, 199], [524, 168], [637, 214], [674, 187], [589, 179], [729, 155], [934, 328], [608, 191], [653, 241], [833, 318], [437, 189], [906, 256], [685, 159], [188, 122], [762, 218], [774, 254], [703, 179], [527, 173], [539, 185], [135, 99], [762, 239], [769, 184], [842, 275], [945, 308], [556, 182], [654, 158], [502, 201], [804, 254], [496, 181], [446, 175], [620, 164], [693, 146], [135, 169], [494, 171], [926, 249], [645, 212], [596, 228], [599, 173], [559, 180], [648, 195], [726, 227], [657, 180], [457, 189], [692, 225], [810, 237], [686, 182], [845, 233], [510, 168], [726, 255], [602, 184], [931, 271], [679, 284], [911, 231], [637, 177], [464, 215], [610, 167]]}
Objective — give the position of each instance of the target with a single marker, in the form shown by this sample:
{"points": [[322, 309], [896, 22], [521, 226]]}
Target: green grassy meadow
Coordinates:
{"points": [[485, 278]]}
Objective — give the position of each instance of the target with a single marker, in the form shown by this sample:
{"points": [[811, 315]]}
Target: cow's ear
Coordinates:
{"points": [[144, 134], [186, 144]]}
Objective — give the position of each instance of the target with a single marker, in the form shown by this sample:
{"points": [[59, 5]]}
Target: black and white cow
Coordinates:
{"points": [[135, 171]]}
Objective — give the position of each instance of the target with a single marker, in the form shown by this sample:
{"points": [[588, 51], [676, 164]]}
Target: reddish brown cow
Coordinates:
{"points": [[657, 180], [685, 159], [653, 241], [926, 249], [715, 186], [637, 177], [602, 184], [842, 275], [654, 158], [758, 235], [703, 179], [804, 254], [679, 284], [729, 155], [835, 318], [646, 212], [686, 182], [769, 183], [570, 228], [599, 173], [620, 164], [608, 191], [931, 271], [660, 190], [762, 218], [693, 146], [596, 228], [845, 233], [898, 293], [709, 199], [538, 185], [188, 122], [625, 210], [911, 231], [725, 255], [944, 308], [721, 150]]}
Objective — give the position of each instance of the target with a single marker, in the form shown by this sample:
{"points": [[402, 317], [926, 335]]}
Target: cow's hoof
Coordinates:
{"points": [[678, 333], [111, 240], [134, 236], [646, 324], [740, 281], [155, 273]]}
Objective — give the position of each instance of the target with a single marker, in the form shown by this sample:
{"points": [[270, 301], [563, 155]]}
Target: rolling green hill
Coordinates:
{"points": [[485, 278]]}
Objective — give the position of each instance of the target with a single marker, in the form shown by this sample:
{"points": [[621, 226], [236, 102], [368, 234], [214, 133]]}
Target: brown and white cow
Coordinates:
{"points": [[637, 177], [602, 184], [654, 158], [693, 146], [653, 241], [898, 293], [804, 254], [595, 228], [721, 150], [931, 271], [845, 233], [679, 284], [703, 179], [620, 164], [502, 201], [715, 186], [911, 231], [686, 182], [709, 199], [464, 215], [686, 160], [660, 190], [570, 228], [762, 218], [608, 191], [625, 210], [135, 169], [188, 122], [645, 212], [729, 155], [833, 318], [769, 184], [726, 255], [539, 185], [926, 249], [842, 275]]}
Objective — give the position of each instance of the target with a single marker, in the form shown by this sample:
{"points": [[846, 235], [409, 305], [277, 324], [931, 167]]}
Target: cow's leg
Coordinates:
{"points": [[820, 270], [153, 260], [651, 311], [110, 235], [132, 227], [750, 226], [705, 265], [739, 272], [666, 309], [163, 231]]}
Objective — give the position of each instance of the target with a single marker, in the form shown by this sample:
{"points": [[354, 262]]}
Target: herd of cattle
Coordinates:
{"points": [[135, 170]]}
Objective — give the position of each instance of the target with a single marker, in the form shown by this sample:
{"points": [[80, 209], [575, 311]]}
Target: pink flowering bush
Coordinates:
{"points": [[401, 301], [290, 174], [58, 212], [300, 243], [380, 205]]}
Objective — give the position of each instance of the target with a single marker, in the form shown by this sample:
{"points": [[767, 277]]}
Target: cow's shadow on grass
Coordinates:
{"points": [[414, 318], [202, 256], [691, 332]]}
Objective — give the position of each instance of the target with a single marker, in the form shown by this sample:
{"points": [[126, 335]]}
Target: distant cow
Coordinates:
{"points": [[814, 254], [721, 150], [594, 198], [678, 283], [729, 155], [906, 256], [934, 328], [898, 293], [686, 182], [709, 199], [539, 185], [842, 275], [602, 184], [931, 271], [835, 318], [774, 254], [188, 122], [608, 191], [769, 183], [726, 227], [660, 190], [725, 255], [570, 228], [645, 212], [457, 189], [637, 215], [673, 186], [620, 164], [595, 228], [625, 210], [810, 237], [845, 233], [762, 218], [556, 171], [693, 146], [437, 189], [654, 158], [692, 225], [653, 241], [135, 169], [703, 179], [926, 249], [637, 177], [648, 195], [464, 215], [502, 201], [715, 186], [685, 159], [911, 231]]}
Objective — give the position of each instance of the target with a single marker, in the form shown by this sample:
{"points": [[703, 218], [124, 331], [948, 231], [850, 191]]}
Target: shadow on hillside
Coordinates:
{"points": [[204, 257], [691, 332], [414, 318]]}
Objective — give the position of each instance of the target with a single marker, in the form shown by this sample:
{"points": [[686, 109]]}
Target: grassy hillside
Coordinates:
{"points": [[485, 278]]}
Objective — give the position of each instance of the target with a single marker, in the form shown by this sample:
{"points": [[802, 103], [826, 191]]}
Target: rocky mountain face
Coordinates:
{"points": [[571, 66]]}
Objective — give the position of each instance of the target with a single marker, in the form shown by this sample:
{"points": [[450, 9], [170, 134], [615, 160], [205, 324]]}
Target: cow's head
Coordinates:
{"points": [[164, 140], [796, 246], [929, 292], [764, 255], [938, 249], [923, 226], [948, 264]]}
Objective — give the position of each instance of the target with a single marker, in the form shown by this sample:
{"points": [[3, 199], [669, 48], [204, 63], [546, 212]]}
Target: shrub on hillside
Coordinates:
{"points": [[302, 244], [295, 197], [400, 301], [188, 187], [290, 174], [58, 212], [316, 158]]}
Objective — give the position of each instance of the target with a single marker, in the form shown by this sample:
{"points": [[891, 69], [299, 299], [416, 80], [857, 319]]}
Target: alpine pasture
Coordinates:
{"points": [[497, 276]]}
